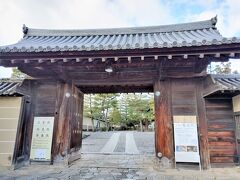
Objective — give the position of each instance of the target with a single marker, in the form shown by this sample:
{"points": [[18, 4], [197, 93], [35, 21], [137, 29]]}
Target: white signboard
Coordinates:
{"points": [[186, 139], [236, 103], [42, 139]]}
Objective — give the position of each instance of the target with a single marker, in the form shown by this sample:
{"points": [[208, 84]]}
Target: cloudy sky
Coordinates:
{"points": [[80, 14]]}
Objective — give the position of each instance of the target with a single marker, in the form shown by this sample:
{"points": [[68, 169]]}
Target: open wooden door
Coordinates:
{"points": [[21, 152], [76, 124]]}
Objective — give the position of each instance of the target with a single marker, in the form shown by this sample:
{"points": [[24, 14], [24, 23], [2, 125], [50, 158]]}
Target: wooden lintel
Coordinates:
{"points": [[113, 82]]}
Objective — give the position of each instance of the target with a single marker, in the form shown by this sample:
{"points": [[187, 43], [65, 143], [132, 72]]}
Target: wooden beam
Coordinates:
{"points": [[203, 128], [163, 120], [207, 49], [30, 118], [138, 81]]}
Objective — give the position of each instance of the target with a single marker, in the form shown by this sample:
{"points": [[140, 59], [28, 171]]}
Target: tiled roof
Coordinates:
{"points": [[9, 88], [177, 35], [227, 82]]}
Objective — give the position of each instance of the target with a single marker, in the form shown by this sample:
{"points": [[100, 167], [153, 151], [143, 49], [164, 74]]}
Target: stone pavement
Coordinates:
{"points": [[118, 163], [120, 142], [114, 167]]}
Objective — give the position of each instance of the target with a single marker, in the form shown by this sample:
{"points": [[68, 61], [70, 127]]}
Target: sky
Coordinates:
{"points": [[81, 14]]}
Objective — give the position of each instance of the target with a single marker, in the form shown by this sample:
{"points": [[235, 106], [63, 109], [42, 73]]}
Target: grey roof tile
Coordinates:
{"points": [[177, 35], [227, 82], [9, 88]]}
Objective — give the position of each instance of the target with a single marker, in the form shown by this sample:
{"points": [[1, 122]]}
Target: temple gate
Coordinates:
{"points": [[169, 60]]}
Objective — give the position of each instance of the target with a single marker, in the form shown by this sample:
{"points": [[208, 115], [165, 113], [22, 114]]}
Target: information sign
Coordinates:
{"points": [[42, 139], [186, 139]]}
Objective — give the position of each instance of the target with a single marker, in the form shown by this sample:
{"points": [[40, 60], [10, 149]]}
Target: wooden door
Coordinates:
{"points": [[21, 152], [75, 123], [77, 120]]}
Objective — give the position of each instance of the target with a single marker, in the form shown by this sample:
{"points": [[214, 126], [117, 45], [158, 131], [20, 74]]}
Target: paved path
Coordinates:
{"points": [[123, 142], [116, 167], [130, 156], [111, 144], [130, 147]]}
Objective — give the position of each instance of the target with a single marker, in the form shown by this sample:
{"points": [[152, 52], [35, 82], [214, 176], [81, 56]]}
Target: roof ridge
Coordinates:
{"points": [[126, 30], [10, 80], [218, 76]]}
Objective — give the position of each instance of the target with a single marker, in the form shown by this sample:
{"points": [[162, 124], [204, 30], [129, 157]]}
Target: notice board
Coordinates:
{"points": [[42, 139], [186, 139]]}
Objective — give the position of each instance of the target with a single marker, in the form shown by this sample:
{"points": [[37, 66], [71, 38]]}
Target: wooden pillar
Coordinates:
{"points": [[163, 120], [203, 128], [61, 137]]}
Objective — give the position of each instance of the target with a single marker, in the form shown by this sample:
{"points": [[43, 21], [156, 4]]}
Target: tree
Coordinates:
{"points": [[115, 116], [235, 72], [223, 68], [137, 109], [16, 74], [98, 106], [88, 110], [126, 110]]}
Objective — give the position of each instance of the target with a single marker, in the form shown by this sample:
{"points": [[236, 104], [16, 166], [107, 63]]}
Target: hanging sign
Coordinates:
{"points": [[42, 139], [186, 139]]}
